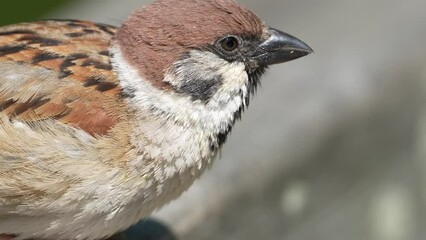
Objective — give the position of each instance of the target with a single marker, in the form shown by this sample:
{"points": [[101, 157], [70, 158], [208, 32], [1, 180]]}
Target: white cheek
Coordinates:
{"points": [[235, 81], [213, 117], [205, 65], [235, 77]]}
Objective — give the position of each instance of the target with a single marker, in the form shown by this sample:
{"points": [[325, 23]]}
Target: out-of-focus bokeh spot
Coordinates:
{"points": [[295, 198]]}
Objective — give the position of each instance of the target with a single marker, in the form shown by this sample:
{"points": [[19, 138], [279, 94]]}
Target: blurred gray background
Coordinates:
{"points": [[333, 146]]}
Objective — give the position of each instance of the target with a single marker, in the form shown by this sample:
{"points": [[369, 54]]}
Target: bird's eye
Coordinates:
{"points": [[229, 43]]}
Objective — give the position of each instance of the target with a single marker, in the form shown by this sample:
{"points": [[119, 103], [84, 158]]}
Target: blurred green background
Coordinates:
{"points": [[23, 11]]}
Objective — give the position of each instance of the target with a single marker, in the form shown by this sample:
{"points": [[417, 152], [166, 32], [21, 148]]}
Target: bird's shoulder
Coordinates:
{"points": [[59, 70]]}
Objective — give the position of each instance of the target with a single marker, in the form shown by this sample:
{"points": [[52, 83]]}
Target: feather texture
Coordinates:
{"points": [[38, 69]]}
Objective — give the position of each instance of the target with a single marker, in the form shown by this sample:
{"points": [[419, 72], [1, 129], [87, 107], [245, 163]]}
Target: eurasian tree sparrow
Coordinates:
{"points": [[99, 126]]}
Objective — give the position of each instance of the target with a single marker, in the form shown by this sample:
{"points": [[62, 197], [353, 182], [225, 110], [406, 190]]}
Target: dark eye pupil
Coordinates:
{"points": [[229, 43]]}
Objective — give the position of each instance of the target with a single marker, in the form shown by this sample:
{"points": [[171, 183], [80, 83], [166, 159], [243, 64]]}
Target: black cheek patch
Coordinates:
{"points": [[201, 89]]}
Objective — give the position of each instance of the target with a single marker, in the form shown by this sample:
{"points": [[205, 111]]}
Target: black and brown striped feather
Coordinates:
{"points": [[85, 91]]}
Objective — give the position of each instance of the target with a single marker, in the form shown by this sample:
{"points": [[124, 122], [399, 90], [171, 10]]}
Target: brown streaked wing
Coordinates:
{"points": [[59, 70]]}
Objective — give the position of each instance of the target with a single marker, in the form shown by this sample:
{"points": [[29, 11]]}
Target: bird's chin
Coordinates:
{"points": [[254, 76]]}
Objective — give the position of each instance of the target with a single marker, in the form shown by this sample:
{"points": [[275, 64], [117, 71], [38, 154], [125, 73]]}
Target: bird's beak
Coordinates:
{"points": [[280, 47]]}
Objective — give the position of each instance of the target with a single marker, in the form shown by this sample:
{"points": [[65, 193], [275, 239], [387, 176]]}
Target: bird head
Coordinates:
{"points": [[206, 56]]}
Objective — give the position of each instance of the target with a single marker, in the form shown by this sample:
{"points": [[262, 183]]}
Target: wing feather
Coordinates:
{"points": [[59, 70]]}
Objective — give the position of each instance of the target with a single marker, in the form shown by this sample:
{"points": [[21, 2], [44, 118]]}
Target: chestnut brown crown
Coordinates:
{"points": [[156, 36]]}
